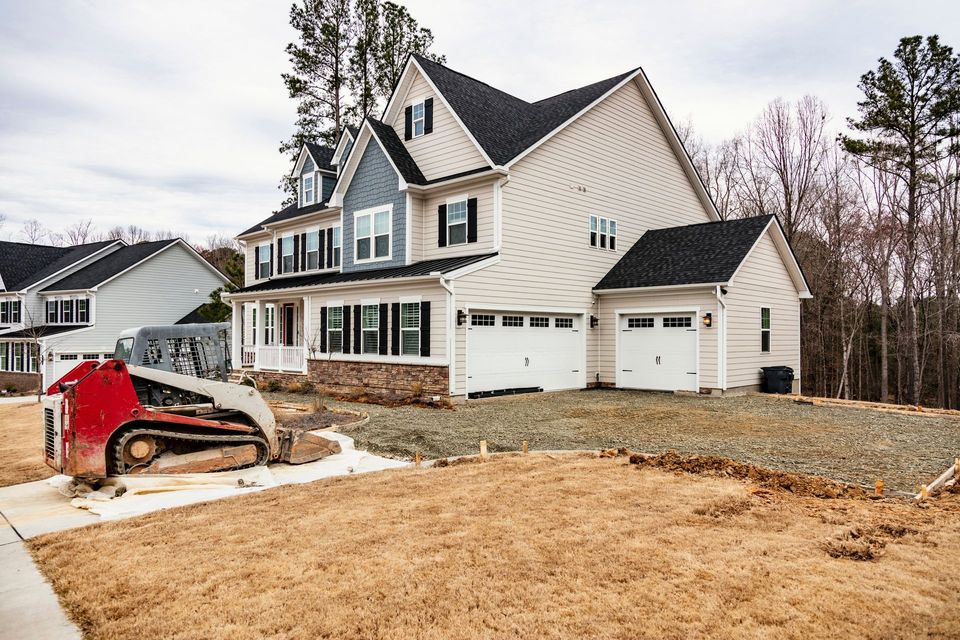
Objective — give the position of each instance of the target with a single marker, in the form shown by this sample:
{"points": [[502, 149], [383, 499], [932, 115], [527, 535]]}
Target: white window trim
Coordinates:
{"points": [[416, 330], [372, 211], [269, 250], [334, 304], [292, 254], [336, 243], [306, 252], [365, 330], [769, 331], [413, 121], [313, 188], [607, 233], [465, 199]]}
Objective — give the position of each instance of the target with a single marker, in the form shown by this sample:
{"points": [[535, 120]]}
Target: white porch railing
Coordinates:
{"points": [[248, 355], [278, 358]]}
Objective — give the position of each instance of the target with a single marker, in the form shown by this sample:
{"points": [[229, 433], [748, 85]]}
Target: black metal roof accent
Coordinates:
{"points": [[23, 264], [424, 268], [109, 266], [503, 125], [42, 331], [695, 254]]}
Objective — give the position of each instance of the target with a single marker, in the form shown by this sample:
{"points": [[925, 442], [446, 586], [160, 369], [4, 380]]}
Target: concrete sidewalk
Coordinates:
{"points": [[29, 609]]}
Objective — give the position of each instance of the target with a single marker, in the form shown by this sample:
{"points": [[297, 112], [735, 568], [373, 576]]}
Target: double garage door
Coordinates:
{"points": [[657, 351], [523, 351]]}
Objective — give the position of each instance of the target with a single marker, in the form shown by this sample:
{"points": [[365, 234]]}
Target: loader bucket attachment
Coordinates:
{"points": [[299, 446]]}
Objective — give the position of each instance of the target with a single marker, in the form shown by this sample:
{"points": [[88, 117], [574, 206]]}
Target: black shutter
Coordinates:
{"points": [[296, 252], [425, 329], [303, 252], [330, 249], [279, 256], [323, 329], [271, 260], [472, 220], [358, 321], [408, 123], [346, 329], [321, 245], [442, 225], [256, 263], [383, 328], [395, 328], [428, 115]]}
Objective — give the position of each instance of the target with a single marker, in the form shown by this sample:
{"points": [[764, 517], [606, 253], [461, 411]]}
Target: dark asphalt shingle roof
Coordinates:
{"points": [[109, 266], [397, 151], [695, 254], [443, 265], [322, 155], [23, 264], [43, 331], [504, 125]]}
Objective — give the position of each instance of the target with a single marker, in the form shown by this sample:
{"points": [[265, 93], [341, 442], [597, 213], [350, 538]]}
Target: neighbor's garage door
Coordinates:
{"points": [[523, 350], [658, 351]]}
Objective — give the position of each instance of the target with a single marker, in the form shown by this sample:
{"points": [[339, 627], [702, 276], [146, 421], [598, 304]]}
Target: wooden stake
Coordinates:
{"points": [[417, 459], [878, 490], [924, 494], [483, 449], [526, 447], [956, 468]]}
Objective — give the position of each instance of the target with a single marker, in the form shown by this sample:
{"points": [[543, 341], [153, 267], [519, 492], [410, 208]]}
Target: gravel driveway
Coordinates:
{"points": [[853, 445]]}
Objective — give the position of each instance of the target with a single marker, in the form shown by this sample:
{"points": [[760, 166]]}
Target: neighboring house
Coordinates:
{"points": [[62, 305], [470, 242]]}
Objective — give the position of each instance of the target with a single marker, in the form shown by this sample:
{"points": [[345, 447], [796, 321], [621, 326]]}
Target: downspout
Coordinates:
{"points": [[721, 340], [498, 212], [451, 333]]}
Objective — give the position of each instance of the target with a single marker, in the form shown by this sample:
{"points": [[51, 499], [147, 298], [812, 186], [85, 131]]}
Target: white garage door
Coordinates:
{"points": [[523, 351], [658, 351]]}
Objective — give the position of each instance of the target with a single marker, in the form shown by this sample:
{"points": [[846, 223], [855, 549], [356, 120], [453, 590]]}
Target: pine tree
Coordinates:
{"points": [[401, 36], [364, 59]]}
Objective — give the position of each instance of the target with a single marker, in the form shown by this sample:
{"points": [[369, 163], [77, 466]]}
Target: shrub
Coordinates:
{"points": [[10, 388], [298, 386], [272, 386]]}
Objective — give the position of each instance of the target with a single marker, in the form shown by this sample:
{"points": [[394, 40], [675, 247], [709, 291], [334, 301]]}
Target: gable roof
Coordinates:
{"points": [[504, 125], [110, 265], [22, 264], [424, 268], [707, 253], [322, 155], [397, 152]]}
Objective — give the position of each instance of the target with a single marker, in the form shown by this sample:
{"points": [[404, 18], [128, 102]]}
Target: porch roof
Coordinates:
{"points": [[43, 331], [442, 265]]}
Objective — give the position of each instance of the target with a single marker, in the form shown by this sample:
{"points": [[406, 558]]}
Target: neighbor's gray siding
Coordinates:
{"points": [[308, 166], [375, 183]]}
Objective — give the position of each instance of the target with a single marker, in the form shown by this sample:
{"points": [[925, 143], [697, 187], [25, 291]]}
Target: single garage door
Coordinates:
{"points": [[658, 351], [510, 351]]}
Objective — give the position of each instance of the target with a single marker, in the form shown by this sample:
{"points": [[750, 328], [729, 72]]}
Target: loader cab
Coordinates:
{"points": [[123, 350], [197, 350]]}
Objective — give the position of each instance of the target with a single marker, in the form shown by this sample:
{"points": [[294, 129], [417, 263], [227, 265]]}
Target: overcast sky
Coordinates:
{"points": [[168, 114]]}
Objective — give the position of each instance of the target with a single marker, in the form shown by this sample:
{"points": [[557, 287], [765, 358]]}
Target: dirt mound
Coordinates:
{"points": [[795, 483], [865, 542]]}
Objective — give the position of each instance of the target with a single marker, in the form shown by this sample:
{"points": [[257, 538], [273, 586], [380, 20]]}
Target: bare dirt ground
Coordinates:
{"points": [[844, 443], [517, 547], [21, 443]]}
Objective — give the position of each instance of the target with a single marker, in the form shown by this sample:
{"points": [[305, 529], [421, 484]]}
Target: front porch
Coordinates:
{"points": [[273, 335]]}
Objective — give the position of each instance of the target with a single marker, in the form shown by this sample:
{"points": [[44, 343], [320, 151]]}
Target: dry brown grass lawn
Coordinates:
{"points": [[21, 443], [516, 548]]}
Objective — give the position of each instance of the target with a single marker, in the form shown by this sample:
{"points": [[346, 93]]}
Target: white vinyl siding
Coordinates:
{"points": [[447, 150], [424, 219]]}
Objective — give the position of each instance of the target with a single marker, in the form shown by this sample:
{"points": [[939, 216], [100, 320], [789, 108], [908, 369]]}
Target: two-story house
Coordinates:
{"points": [[469, 243], [62, 305]]}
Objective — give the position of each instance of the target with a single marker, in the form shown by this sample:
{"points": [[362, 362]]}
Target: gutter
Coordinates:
{"points": [[423, 188], [265, 293], [722, 340], [701, 285]]}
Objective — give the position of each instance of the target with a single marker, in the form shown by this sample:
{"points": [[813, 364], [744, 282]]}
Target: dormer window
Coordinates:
{"points": [[308, 190], [419, 119]]}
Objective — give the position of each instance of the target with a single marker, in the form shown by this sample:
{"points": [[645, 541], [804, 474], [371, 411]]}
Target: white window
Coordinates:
{"points": [[83, 312], [53, 313], [765, 329], [269, 324], [313, 250], [373, 236], [66, 311], [10, 312], [418, 119], [457, 222], [410, 328], [603, 233], [370, 314], [3, 357], [336, 246], [286, 255], [308, 189], [266, 254], [335, 329]]}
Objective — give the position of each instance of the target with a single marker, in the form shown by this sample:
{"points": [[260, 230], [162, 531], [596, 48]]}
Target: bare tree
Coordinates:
{"points": [[34, 232], [78, 233]]}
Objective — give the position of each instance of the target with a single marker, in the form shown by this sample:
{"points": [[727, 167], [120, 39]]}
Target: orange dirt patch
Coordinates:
{"points": [[515, 547], [21, 443]]}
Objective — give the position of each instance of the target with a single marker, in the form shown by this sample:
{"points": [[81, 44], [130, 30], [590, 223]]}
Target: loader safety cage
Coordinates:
{"points": [[197, 350]]}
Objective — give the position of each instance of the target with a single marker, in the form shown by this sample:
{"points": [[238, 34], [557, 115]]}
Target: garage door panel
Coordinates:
{"points": [[658, 351]]}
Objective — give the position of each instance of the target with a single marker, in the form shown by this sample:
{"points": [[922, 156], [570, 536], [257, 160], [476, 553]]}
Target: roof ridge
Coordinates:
{"points": [[587, 86], [710, 222], [53, 246]]}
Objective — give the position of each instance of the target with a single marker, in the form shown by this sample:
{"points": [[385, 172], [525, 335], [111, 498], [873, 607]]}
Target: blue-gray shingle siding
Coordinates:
{"points": [[374, 184], [328, 183]]}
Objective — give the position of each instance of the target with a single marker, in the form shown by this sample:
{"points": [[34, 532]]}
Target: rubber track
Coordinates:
{"points": [[262, 446]]}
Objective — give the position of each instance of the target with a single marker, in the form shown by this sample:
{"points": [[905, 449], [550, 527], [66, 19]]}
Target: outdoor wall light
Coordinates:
{"points": [[594, 321], [708, 320], [461, 317]]}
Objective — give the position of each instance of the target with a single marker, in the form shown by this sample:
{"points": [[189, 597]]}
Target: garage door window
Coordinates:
{"points": [[513, 321], [639, 323], [481, 320], [371, 328], [765, 329], [678, 322], [563, 323], [539, 322]]}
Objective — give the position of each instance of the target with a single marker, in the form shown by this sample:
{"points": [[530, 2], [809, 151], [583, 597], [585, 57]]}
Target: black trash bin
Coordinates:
{"points": [[776, 379]]}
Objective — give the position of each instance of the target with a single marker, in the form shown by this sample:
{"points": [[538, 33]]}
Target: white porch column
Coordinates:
{"points": [[236, 341], [259, 334], [307, 330]]}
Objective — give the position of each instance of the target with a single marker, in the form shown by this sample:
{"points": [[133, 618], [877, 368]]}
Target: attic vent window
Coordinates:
{"points": [[419, 113]]}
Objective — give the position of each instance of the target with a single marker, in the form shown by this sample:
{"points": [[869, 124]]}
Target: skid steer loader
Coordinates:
{"points": [[116, 417]]}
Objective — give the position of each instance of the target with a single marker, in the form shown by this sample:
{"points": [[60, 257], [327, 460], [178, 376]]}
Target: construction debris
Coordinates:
{"points": [[946, 480]]}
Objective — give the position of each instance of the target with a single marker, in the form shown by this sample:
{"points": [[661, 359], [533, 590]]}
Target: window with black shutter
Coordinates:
{"points": [[357, 329], [395, 329], [428, 116], [383, 328], [346, 329], [425, 329]]}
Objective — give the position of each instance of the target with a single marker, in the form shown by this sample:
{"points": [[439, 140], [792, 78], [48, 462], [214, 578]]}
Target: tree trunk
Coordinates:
{"points": [[884, 349]]}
